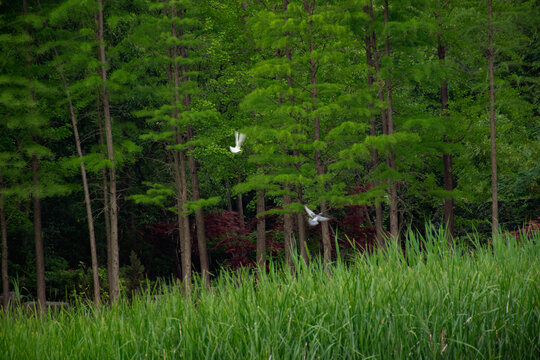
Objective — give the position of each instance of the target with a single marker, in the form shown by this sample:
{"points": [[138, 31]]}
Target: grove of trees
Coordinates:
{"points": [[117, 117]]}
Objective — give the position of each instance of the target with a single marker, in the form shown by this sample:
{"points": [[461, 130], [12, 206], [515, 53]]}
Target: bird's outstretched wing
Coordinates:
{"points": [[240, 138], [310, 213], [321, 218]]}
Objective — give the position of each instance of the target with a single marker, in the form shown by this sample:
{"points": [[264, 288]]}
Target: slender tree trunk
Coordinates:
{"points": [[327, 247], [391, 159], [494, 200], [302, 238], [180, 169], [261, 231], [373, 132], [40, 258], [195, 191], [448, 204], [384, 122], [288, 218], [3, 228], [240, 204], [183, 219], [87, 200], [36, 199], [106, 202], [228, 188], [288, 221], [115, 261], [302, 243], [301, 223], [199, 217]]}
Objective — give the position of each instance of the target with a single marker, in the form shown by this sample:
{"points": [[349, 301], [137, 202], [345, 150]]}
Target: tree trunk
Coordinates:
{"points": [[106, 212], [302, 238], [199, 217], [36, 199], [373, 132], [302, 242], [377, 65], [40, 257], [3, 228], [391, 159], [494, 200], [288, 221], [288, 218], [183, 219], [240, 204], [327, 247], [87, 200], [115, 261], [228, 188], [180, 169], [301, 223], [448, 204], [261, 231]]}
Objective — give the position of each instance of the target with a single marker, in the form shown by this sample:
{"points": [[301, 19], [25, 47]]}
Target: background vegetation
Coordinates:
{"points": [[117, 115]]}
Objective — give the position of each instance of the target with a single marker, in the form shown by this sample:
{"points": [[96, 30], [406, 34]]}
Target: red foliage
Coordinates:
{"points": [[158, 231], [229, 234], [531, 227], [356, 225]]}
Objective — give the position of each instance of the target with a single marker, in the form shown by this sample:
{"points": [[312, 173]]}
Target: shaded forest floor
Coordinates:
{"points": [[435, 302]]}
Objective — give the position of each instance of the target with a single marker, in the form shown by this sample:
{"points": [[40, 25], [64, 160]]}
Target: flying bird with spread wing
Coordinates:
{"points": [[239, 140], [314, 218]]}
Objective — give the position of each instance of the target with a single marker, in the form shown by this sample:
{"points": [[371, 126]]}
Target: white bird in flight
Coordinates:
{"points": [[239, 140], [314, 218]]}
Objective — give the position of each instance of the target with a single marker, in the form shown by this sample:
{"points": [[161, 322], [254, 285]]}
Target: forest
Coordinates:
{"points": [[119, 121]]}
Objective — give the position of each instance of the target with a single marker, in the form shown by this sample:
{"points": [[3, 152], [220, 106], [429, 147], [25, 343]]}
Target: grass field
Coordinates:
{"points": [[464, 303]]}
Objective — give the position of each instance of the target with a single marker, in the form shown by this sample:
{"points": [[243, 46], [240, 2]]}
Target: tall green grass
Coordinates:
{"points": [[437, 302]]}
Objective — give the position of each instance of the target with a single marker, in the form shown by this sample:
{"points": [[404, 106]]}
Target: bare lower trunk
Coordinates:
{"points": [[494, 199], [40, 258], [36, 199], [384, 122], [199, 217], [183, 219], [327, 247], [180, 168], [301, 223], [3, 228], [391, 159], [288, 240], [229, 203], [373, 132], [448, 203], [106, 202], [261, 231], [195, 191], [91, 232], [115, 261], [186, 250], [302, 242], [240, 204]]}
